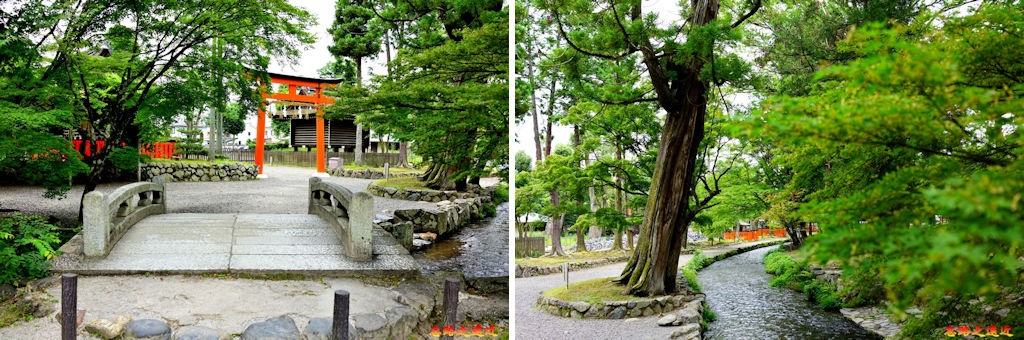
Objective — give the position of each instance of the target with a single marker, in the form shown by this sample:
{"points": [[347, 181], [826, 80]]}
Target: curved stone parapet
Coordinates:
{"points": [[107, 217], [349, 214]]}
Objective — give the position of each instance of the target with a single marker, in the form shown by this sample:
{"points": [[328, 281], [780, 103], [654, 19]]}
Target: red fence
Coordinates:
{"points": [[162, 150], [78, 146], [753, 235], [159, 150]]}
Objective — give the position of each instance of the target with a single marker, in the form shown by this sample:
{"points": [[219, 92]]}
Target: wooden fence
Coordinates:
{"points": [[308, 159], [527, 246], [304, 158]]}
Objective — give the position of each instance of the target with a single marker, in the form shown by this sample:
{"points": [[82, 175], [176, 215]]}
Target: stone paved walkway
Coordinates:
{"points": [[532, 323], [237, 243], [282, 191]]}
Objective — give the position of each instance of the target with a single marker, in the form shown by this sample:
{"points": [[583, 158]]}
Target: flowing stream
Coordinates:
{"points": [[477, 250], [748, 308]]}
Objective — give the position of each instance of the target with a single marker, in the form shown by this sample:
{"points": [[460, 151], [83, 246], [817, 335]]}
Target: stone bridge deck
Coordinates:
{"points": [[182, 243]]}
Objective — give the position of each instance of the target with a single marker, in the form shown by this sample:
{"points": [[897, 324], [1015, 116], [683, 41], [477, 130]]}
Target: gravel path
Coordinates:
{"points": [[283, 191], [532, 323]]}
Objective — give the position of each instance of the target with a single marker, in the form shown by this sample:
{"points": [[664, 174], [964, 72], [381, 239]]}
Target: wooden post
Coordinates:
{"points": [[565, 274], [340, 325], [68, 306], [451, 304]]}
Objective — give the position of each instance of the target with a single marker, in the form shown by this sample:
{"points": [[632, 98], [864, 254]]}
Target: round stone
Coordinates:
{"points": [[147, 329]]}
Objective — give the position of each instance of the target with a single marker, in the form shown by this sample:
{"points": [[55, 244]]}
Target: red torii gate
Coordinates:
{"points": [[293, 96]]}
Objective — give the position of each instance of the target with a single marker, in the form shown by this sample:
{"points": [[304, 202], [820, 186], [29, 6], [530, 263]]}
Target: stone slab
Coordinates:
{"points": [[286, 249], [242, 243], [399, 265]]}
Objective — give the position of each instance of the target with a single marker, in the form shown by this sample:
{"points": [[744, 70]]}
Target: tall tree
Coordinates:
{"points": [[682, 61], [149, 44], [355, 37], [448, 90]]}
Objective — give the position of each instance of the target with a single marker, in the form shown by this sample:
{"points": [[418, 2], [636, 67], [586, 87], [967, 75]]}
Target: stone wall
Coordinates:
{"points": [[368, 173], [198, 172], [417, 195], [448, 217]]}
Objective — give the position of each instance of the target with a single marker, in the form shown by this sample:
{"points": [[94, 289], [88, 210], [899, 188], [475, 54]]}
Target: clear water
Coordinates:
{"points": [[747, 308], [478, 250]]}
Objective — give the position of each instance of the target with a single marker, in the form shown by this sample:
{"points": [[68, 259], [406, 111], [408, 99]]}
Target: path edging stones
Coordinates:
{"points": [[619, 309]]}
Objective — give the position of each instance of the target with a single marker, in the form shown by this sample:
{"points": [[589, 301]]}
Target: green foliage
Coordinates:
{"points": [[26, 244], [448, 89], [31, 109], [500, 194], [523, 162], [281, 127], [699, 261], [709, 315], [691, 278], [354, 36], [340, 68], [797, 276], [157, 67], [234, 124], [605, 218], [915, 155], [125, 158]]}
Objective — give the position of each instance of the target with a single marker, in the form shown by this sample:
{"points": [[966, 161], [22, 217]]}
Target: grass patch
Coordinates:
{"points": [[11, 313], [592, 291], [577, 257], [393, 170], [404, 183], [567, 240]]}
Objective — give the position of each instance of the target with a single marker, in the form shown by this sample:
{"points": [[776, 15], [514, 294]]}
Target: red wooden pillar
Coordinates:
{"points": [[321, 165], [261, 126]]}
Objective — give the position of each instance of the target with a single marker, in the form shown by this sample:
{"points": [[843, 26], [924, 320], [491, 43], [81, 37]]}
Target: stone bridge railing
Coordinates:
{"points": [[349, 214], [107, 217]]}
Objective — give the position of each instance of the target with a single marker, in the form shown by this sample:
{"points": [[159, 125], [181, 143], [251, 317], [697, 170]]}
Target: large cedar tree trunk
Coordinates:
{"points": [[652, 267], [681, 93]]}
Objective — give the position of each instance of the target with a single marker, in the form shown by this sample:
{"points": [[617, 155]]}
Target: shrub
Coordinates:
{"points": [[487, 210], [26, 243], [500, 194], [791, 274], [709, 315], [691, 278], [699, 261]]}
